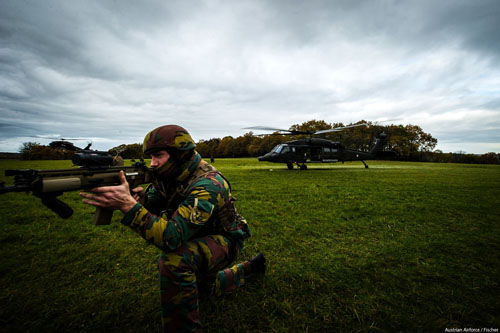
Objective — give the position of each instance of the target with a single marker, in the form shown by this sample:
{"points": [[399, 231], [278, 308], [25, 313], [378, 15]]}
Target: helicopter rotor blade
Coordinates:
{"points": [[59, 138], [294, 132], [267, 128], [387, 120], [282, 131], [338, 129]]}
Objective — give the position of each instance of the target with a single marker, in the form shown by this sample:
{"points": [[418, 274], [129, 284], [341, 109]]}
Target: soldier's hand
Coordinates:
{"points": [[138, 193], [111, 197]]}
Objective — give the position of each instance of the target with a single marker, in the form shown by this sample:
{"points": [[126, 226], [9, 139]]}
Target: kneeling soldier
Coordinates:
{"points": [[188, 212]]}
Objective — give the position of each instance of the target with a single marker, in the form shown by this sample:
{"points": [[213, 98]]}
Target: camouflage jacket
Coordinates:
{"points": [[198, 204]]}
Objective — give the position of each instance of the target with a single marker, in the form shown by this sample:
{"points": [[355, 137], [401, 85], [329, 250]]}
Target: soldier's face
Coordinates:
{"points": [[159, 158]]}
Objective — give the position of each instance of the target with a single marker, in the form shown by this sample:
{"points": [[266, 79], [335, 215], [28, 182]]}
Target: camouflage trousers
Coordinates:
{"points": [[199, 263]]}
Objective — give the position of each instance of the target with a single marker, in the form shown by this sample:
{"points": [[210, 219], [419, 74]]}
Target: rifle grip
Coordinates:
{"points": [[102, 216]]}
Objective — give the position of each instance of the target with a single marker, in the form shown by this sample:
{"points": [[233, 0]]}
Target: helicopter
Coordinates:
{"points": [[85, 156], [63, 143], [317, 150]]}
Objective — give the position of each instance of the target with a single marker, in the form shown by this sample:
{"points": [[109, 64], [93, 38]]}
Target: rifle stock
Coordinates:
{"points": [[49, 184]]}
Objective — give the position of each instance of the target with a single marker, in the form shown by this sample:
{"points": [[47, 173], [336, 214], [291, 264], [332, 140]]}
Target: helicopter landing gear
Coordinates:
{"points": [[289, 165], [303, 166], [366, 166]]}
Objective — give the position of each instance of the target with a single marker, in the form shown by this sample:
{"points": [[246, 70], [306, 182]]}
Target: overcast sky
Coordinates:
{"points": [[110, 71]]}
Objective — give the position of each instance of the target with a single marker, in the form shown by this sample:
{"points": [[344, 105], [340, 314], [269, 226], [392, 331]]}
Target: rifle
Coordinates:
{"points": [[95, 169]]}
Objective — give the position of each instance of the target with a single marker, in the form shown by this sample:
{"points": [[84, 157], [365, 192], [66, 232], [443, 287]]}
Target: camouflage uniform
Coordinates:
{"points": [[193, 220]]}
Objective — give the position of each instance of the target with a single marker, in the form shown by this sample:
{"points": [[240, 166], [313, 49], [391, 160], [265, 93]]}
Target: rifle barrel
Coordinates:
{"points": [[14, 188]]}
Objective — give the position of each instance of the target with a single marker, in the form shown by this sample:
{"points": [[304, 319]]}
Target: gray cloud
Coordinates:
{"points": [[110, 71]]}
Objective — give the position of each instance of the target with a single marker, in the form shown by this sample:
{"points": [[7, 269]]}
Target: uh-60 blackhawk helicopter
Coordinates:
{"points": [[317, 150], [63, 143]]}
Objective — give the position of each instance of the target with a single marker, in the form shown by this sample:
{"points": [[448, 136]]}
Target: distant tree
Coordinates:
{"points": [[26, 150], [489, 158], [224, 147], [311, 125], [409, 141], [241, 144], [360, 138], [203, 148], [36, 151], [208, 148], [47, 153], [128, 151], [254, 148]]}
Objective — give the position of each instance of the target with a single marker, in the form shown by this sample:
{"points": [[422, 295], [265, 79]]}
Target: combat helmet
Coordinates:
{"points": [[167, 137]]}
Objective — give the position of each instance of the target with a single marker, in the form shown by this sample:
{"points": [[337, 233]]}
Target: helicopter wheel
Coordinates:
{"points": [[289, 165], [303, 167]]}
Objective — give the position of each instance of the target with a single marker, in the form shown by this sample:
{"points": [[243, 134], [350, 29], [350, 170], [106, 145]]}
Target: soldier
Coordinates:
{"points": [[188, 212]]}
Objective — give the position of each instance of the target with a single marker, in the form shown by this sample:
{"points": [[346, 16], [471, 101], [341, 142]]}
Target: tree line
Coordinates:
{"points": [[408, 142]]}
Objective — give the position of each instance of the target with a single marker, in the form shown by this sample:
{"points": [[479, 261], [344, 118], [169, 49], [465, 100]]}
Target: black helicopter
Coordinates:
{"points": [[66, 145], [316, 150], [63, 143], [85, 156]]}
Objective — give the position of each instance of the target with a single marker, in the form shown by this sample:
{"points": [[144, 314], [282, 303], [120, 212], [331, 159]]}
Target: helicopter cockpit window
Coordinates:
{"points": [[286, 149], [277, 149]]}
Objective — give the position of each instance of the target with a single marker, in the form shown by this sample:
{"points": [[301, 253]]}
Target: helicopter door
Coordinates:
{"points": [[300, 154], [327, 153], [316, 154]]}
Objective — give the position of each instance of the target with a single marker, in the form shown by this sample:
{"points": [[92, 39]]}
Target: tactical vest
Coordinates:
{"points": [[223, 219]]}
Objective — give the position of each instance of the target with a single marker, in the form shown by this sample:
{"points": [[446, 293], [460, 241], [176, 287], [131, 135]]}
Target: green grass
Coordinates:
{"points": [[396, 247]]}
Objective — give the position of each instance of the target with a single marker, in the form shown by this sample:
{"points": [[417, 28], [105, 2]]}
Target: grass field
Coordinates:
{"points": [[396, 247]]}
